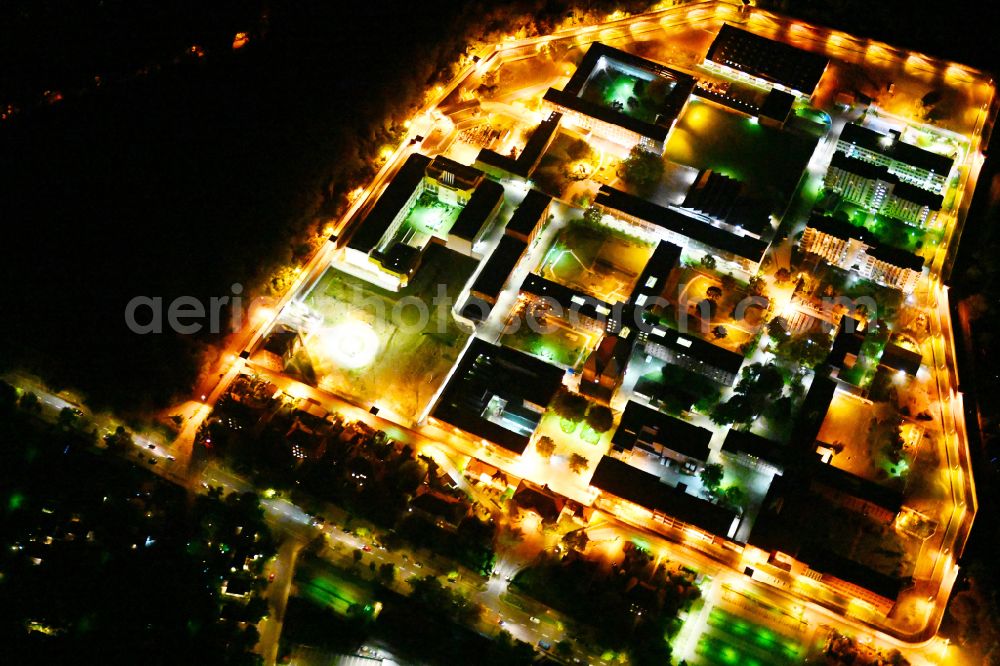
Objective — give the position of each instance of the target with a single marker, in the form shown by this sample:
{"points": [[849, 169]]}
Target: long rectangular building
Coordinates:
{"points": [[674, 226], [618, 481], [856, 249], [645, 431], [776, 63], [911, 164], [875, 189]]}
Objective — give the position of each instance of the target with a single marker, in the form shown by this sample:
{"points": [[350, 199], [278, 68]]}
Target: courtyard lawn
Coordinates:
{"points": [[626, 93], [595, 260], [560, 345], [432, 217], [767, 159], [415, 341]]}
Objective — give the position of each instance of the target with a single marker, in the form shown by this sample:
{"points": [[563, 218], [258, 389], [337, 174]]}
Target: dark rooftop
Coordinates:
{"points": [[498, 267], [724, 198], [569, 300], [743, 441], [895, 357], [891, 146], [642, 427], [774, 61], [528, 214], [487, 195], [485, 371], [654, 275], [677, 222], [777, 105], [634, 485], [369, 230], [698, 350]]}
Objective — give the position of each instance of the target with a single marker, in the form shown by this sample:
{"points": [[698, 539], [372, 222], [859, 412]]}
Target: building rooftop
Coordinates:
{"points": [[767, 59], [497, 269], [629, 483], [497, 393], [724, 198], [487, 195], [872, 171], [645, 428], [540, 499], [653, 279], [697, 350], [902, 359], [876, 248], [890, 145], [680, 223], [528, 214], [569, 300], [369, 230], [777, 105], [743, 441]]}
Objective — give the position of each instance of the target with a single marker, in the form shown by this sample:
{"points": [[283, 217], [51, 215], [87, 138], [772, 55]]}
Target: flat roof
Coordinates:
{"points": [[485, 371], [634, 485], [657, 271], [744, 441], [498, 267], [485, 198], [697, 349], [369, 230], [777, 528], [677, 222], [854, 486], [641, 424], [568, 299], [724, 198], [890, 145], [777, 105], [895, 357], [768, 59], [466, 175], [528, 213], [814, 408]]}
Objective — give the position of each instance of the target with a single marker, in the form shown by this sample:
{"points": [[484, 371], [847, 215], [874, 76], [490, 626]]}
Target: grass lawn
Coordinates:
{"points": [[415, 349], [625, 93], [767, 159], [561, 345], [595, 260]]}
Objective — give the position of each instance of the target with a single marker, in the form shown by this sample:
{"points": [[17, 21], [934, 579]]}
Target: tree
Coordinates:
{"points": [[728, 282], [570, 406], [8, 398], [357, 554], [782, 275], [578, 463], [711, 476], [720, 332], [713, 293], [600, 418], [593, 215], [757, 286], [777, 328], [67, 418], [387, 572], [119, 441], [734, 498], [545, 446], [30, 403], [708, 261], [641, 169]]}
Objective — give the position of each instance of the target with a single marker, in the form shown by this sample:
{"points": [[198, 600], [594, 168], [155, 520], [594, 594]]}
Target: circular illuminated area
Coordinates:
{"points": [[351, 345]]}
